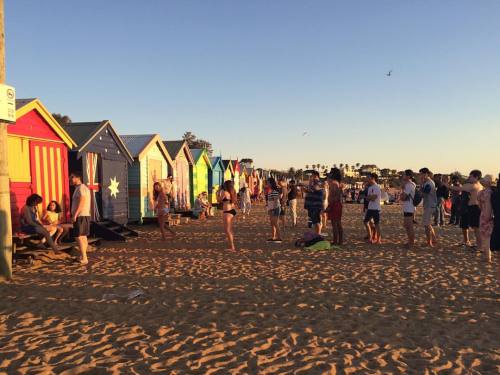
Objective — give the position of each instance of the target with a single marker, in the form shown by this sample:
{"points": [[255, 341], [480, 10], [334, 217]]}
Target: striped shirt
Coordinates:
{"points": [[273, 200]]}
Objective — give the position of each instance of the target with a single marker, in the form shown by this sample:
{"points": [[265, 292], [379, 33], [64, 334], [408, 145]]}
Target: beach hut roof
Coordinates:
{"points": [[217, 160], [84, 133], [227, 164], [139, 145], [201, 152], [175, 147], [23, 106]]}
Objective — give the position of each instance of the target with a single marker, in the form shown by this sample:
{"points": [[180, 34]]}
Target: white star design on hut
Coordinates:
{"points": [[113, 187]]}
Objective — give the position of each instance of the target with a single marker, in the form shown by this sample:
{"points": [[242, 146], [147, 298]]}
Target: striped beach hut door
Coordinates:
{"points": [[49, 175], [92, 179]]}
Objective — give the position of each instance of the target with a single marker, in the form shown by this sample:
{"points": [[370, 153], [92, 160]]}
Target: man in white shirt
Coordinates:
{"points": [[374, 208], [407, 195]]}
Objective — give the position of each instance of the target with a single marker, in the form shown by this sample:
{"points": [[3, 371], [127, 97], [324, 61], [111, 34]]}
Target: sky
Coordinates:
{"points": [[253, 76]]}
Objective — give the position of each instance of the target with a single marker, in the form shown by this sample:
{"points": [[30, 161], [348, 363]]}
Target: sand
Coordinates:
{"points": [[270, 308]]}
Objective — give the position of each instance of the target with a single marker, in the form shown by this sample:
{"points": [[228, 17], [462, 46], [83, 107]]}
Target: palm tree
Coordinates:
{"points": [[307, 166], [358, 165]]}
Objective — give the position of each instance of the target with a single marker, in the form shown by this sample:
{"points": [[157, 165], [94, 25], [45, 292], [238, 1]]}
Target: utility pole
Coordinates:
{"points": [[5, 220]]}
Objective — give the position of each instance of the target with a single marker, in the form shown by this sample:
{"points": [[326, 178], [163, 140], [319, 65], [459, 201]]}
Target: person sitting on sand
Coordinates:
{"points": [[30, 221], [206, 204], [273, 207], [407, 195], [52, 219], [374, 208], [473, 187], [334, 209], [161, 205], [429, 203], [227, 197]]}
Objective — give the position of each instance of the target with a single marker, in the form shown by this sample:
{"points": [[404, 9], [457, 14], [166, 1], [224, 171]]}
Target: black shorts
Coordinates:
{"points": [[314, 215], [464, 220], [231, 212], [81, 227], [408, 214], [372, 214], [282, 212], [474, 212]]}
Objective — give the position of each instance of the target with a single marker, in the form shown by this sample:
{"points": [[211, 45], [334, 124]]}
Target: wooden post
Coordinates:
{"points": [[5, 219]]}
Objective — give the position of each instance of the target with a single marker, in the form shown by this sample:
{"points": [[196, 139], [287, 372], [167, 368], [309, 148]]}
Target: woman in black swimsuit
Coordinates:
{"points": [[227, 197]]}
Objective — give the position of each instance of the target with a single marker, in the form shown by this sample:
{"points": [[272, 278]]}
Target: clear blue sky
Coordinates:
{"points": [[252, 76]]}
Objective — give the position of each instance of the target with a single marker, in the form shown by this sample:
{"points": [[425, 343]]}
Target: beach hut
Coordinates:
{"points": [[228, 170], [215, 177], [103, 160], [182, 163], [38, 158], [200, 172], [237, 173], [152, 163]]}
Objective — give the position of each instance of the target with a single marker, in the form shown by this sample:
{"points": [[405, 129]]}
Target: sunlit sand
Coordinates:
{"points": [[269, 308]]}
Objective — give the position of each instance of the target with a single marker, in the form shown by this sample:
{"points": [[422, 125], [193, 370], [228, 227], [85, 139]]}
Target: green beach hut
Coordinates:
{"points": [[199, 173]]}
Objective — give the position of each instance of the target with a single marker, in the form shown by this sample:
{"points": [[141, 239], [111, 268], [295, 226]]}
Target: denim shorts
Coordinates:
{"points": [[275, 212]]}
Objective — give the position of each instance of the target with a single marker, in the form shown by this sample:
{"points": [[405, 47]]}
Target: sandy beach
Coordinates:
{"points": [[269, 308]]}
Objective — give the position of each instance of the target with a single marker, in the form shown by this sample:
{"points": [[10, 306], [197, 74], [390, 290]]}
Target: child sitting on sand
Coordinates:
{"points": [[52, 221]]}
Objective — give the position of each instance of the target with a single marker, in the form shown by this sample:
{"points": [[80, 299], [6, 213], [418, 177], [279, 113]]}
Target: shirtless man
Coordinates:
{"points": [[473, 187]]}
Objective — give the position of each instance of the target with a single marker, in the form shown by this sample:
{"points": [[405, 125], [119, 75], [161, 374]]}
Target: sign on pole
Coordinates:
{"points": [[7, 104]]}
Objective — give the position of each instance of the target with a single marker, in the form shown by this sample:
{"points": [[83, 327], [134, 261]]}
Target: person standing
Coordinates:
{"points": [[283, 189], [292, 201], [442, 193], [455, 202], [273, 206], [407, 195], [374, 196], [430, 204], [161, 204], [486, 218], [334, 209], [473, 187], [245, 201], [80, 215], [313, 202], [227, 197], [495, 234]]}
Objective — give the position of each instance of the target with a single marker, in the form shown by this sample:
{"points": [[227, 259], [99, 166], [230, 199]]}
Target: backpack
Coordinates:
{"points": [[417, 198]]}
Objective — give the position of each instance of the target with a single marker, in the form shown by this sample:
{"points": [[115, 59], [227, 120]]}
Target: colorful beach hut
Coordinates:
{"points": [[228, 170], [103, 160], [200, 172], [182, 163], [237, 173], [215, 177], [152, 163], [38, 158]]}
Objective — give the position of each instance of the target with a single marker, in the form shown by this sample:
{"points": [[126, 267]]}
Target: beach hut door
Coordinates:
{"points": [[154, 175]]}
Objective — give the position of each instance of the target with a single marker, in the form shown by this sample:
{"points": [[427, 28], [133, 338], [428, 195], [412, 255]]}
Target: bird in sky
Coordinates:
{"points": [[304, 134], [389, 74]]}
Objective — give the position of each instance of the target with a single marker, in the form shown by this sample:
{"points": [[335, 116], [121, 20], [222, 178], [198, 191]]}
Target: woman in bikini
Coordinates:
{"points": [[227, 197], [162, 207]]}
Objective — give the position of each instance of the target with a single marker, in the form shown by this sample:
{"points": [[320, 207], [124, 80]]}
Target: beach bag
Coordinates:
{"points": [[417, 198]]}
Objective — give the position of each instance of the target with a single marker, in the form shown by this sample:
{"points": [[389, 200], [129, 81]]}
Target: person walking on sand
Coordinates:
{"points": [[374, 208], [161, 204], [292, 201], [273, 207], [227, 197], [429, 203], [486, 218], [80, 214], [334, 209], [407, 195], [30, 220]]}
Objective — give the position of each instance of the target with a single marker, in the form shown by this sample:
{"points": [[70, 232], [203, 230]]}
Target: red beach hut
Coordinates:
{"points": [[38, 158]]}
